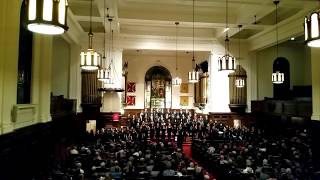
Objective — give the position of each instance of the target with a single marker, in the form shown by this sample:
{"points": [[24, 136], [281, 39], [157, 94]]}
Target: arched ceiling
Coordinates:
{"points": [[149, 24]]}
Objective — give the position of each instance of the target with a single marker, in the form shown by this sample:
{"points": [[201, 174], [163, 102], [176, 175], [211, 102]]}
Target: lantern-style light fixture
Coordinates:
{"points": [[312, 30], [90, 59], [277, 77], [103, 73], [193, 76], [110, 81], [47, 16], [240, 82], [227, 62], [176, 81]]}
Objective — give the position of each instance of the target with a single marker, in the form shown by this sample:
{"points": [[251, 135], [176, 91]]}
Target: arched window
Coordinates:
{"points": [[281, 91], [158, 93], [25, 60], [238, 94]]}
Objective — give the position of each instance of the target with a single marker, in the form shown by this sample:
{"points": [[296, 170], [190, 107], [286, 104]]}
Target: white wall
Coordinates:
{"points": [[111, 101], [139, 64], [60, 67], [9, 41], [41, 72], [219, 87], [300, 68]]}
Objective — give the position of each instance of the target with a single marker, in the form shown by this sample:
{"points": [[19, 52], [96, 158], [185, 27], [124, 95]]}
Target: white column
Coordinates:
{"points": [[9, 41], [41, 76], [251, 68], [111, 101], [315, 64], [219, 87], [75, 75]]}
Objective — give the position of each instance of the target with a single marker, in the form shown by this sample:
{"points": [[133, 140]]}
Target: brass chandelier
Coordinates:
{"points": [[227, 62], [47, 16], [176, 81], [277, 77], [89, 60], [240, 82], [104, 73], [193, 75]]}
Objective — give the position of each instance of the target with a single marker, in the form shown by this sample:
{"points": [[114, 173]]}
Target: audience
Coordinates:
{"points": [[149, 147], [262, 157]]}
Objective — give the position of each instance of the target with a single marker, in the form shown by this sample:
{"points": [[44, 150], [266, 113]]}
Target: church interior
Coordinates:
{"points": [[125, 89]]}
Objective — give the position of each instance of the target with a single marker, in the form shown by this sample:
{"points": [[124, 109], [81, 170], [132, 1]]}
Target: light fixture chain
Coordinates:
{"points": [[104, 29], [193, 30], [90, 31], [227, 21], [90, 34], [177, 23], [112, 48], [109, 48], [239, 41], [277, 35]]}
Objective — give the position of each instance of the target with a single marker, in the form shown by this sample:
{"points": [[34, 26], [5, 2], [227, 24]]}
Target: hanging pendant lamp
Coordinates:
{"points": [[110, 80], [103, 73], [312, 29], [113, 84], [277, 76], [193, 76], [47, 16], [176, 81], [90, 59], [240, 83], [227, 62]]}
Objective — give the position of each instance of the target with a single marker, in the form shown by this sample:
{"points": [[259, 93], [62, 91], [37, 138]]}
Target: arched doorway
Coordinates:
{"points": [[158, 93]]}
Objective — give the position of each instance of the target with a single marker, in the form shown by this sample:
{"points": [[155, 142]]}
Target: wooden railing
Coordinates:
{"points": [[61, 107]]}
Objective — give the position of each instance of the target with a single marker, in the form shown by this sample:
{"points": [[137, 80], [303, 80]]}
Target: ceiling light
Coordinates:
{"points": [[227, 62], [104, 73], [176, 81], [193, 75], [110, 81], [277, 77], [47, 16], [90, 59], [312, 30], [240, 82], [226, 29]]}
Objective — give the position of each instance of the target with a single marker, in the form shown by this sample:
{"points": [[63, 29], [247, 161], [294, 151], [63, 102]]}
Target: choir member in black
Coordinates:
{"points": [[185, 132], [169, 131], [174, 131], [200, 132], [129, 122], [158, 129], [180, 134], [152, 132], [141, 115], [193, 131], [163, 132], [134, 134]]}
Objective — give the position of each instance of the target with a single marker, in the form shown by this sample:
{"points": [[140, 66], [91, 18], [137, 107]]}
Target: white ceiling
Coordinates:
{"points": [[149, 24]]}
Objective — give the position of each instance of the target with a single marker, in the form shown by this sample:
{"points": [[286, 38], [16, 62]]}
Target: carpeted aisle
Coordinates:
{"points": [[186, 148]]}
